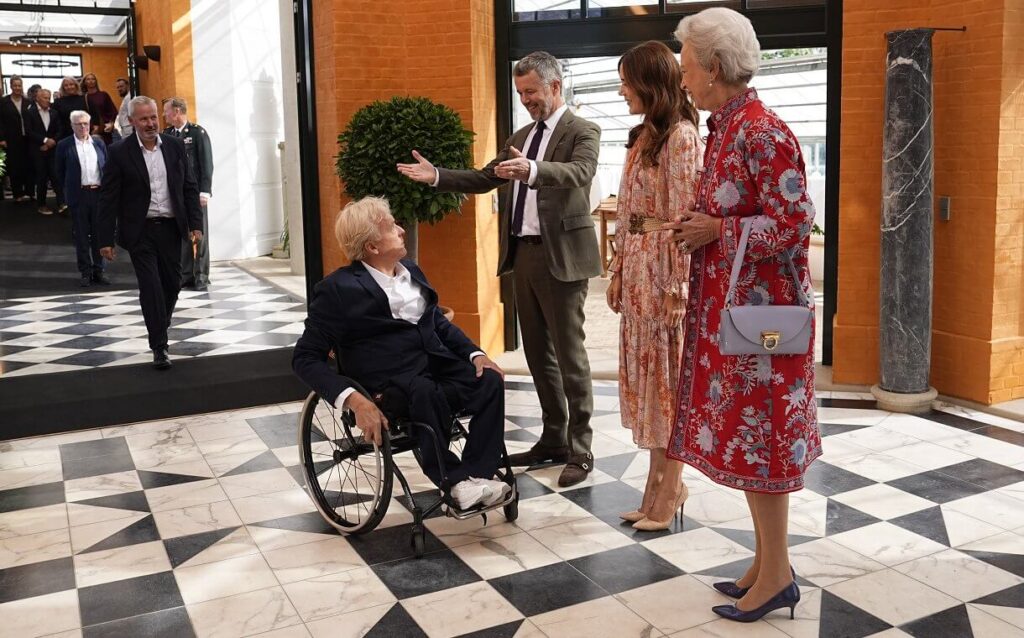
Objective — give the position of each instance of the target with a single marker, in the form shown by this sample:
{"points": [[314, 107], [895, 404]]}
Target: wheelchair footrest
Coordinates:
{"points": [[478, 510]]}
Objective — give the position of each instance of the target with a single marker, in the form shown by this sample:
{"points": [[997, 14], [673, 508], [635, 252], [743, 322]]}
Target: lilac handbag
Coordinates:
{"points": [[764, 329]]}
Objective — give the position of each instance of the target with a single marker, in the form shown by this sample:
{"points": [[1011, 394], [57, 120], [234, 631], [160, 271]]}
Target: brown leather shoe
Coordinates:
{"points": [[576, 469], [538, 455]]}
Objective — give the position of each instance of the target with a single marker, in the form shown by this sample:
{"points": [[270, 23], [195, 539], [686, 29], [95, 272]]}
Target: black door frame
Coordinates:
{"points": [[580, 36]]}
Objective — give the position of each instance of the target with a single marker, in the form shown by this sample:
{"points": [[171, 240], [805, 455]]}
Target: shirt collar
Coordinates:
{"points": [[555, 117], [159, 142], [87, 140], [401, 275], [730, 107]]}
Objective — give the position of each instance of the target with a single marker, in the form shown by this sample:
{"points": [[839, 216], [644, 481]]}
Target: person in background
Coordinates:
{"points": [[80, 160], [122, 127], [100, 106], [649, 274], [45, 127], [14, 109]]}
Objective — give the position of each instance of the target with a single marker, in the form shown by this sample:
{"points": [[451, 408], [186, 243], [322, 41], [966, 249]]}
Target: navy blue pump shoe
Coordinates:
{"points": [[732, 590], [788, 597]]}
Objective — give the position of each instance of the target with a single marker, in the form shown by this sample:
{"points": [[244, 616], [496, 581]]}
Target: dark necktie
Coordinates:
{"points": [[531, 153]]}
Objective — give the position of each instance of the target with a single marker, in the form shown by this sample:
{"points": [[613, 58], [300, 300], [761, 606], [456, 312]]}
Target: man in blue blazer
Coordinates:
{"points": [[80, 160], [380, 317]]}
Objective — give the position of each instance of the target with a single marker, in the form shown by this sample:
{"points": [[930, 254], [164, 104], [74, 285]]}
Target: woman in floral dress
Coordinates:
{"points": [[749, 421], [648, 285]]}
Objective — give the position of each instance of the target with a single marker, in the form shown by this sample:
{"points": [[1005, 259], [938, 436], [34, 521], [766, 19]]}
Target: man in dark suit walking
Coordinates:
{"points": [[44, 127], [548, 243], [13, 111], [149, 202], [195, 258], [80, 160], [380, 318]]}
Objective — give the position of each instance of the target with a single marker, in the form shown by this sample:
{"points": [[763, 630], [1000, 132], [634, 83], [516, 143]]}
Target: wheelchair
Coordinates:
{"points": [[350, 479]]}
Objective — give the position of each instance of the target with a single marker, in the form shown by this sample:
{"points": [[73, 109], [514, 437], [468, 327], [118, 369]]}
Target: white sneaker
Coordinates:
{"points": [[469, 493], [499, 490]]}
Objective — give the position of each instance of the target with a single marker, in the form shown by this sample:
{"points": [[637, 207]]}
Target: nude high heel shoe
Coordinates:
{"points": [[632, 517], [647, 525]]}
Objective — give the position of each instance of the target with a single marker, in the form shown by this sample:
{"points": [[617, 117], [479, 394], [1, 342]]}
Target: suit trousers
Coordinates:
{"points": [[483, 397], [551, 322], [196, 272], [157, 262], [19, 168], [84, 226], [45, 165]]}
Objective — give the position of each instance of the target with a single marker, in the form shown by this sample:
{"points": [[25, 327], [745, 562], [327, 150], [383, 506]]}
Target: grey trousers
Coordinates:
{"points": [[551, 322]]}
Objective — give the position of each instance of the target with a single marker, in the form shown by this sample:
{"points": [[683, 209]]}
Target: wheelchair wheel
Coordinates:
{"points": [[348, 478]]}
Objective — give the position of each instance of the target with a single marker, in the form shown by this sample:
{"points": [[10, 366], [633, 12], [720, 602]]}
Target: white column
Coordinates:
{"points": [[237, 60]]}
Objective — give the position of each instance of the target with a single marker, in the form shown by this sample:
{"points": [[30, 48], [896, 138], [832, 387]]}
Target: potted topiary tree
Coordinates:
{"points": [[383, 134]]}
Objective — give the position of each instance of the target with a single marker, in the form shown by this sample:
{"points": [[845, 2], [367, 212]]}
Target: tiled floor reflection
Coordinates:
{"points": [[200, 527]]}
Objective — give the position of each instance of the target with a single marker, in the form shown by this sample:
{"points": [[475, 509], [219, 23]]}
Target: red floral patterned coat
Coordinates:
{"points": [[748, 421]]}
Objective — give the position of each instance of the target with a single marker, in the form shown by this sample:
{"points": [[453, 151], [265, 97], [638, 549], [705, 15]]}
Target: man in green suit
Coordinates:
{"points": [[195, 259], [543, 177]]}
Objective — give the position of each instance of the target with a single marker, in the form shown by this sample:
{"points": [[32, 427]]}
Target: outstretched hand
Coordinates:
{"points": [[422, 171], [516, 168]]}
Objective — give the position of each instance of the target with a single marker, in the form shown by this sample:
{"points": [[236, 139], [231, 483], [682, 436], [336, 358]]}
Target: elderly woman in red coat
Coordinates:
{"points": [[746, 421]]}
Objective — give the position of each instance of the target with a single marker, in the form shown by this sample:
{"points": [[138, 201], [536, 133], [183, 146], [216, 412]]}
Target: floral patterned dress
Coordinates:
{"points": [[748, 421], [649, 346]]}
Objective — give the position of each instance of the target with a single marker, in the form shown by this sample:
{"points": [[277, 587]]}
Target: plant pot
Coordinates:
{"points": [[816, 257]]}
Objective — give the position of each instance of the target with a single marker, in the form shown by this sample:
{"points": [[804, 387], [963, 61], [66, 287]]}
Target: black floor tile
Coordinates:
{"points": [[7, 367], [126, 598], [951, 623], [152, 479], [182, 334], [1001, 434], [605, 498], [423, 500], [83, 329], [7, 349], [433, 572], [141, 531], [537, 591], [97, 465], [928, 523], [21, 498], [134, 501], [936, 486], [524, 421], [530, 487], [625, 568], [626, 527], [169, 623], [1013, 563], [391, 544], [93, 358], [310, 522], [829, 480], [276, 430], [507, 630], [37, 579], [617, 465], [397, 622], [192, 348], [848, 404], [266, 461], [952, 420], [183, 548], [523, 436], [831, 429], [841, 518], [1011, 597], [986, 474], [748, 538], [90, 449], [840, 619]]}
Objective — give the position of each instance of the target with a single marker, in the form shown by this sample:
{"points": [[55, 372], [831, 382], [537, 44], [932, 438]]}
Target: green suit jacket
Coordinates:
{"points": [[563, 197]]}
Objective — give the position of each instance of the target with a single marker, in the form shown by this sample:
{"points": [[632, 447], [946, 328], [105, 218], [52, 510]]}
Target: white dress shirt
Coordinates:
{"points": [[123, 125], [407, 302], [17, 106], [159, 191], [44, 115], [88, 161]]}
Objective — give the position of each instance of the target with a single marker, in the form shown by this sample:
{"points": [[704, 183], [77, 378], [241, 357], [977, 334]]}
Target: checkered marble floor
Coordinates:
{"points": [[98, 328], [199, 526]]}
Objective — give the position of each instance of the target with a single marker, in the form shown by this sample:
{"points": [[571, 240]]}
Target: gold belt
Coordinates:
{"points": [[639, 224]]}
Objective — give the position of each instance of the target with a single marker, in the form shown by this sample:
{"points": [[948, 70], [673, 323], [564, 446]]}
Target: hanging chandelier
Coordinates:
{"points": [[48, 40]]}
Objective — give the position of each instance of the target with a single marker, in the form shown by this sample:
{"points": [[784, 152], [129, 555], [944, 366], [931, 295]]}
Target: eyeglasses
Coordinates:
{"points": [[80, 124]]}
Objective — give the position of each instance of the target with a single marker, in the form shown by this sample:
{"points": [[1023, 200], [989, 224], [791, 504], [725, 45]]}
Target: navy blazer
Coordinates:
{"points": [[350, 314], [69, 169]]}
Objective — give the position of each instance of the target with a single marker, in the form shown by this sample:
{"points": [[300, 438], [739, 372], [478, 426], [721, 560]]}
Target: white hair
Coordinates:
{"points": [[78, 116], [137, 102], [359, 224], [724, 35]]}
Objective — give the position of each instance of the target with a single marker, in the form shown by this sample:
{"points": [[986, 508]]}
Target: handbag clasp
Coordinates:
{"points": [[770, 339]]}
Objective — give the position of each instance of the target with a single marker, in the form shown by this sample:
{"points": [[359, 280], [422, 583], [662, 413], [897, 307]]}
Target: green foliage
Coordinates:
{"points": [[817, 230], [776, 54], [383, 134]]}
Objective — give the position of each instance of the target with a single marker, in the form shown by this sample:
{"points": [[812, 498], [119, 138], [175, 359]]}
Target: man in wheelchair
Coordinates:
{"points": [[380, 317]]}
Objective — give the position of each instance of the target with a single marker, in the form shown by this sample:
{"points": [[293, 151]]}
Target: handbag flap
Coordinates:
{"points": [[788, 321]]}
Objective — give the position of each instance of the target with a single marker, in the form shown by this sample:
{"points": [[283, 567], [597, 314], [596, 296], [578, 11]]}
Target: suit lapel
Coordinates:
{"points": [[135, 152], [417, 276], [366, 280], [565, 124]]}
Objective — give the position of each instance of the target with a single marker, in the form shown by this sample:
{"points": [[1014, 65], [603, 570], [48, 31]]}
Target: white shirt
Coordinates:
{"points": [[531, 219], [17, 105], [88, 161], [123, 125], [45, 117], [159, 192], [407, 302]]}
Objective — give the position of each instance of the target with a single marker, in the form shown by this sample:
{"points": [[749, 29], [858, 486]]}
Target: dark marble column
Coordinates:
{"points": [[907, 205]]}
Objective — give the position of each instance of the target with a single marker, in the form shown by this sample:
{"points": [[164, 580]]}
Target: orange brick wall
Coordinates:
{"points": [[108, 63], [443, 50], [971, 252], [167, 23]]}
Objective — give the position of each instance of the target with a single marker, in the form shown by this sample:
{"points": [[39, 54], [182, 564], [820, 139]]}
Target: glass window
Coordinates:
{"points": [[608, 8], [696, 5], [44, 69], [534, 10], [780, 4]]}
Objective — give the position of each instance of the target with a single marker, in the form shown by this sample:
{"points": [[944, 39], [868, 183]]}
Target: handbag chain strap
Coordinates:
{"points": [[737, 263]]}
